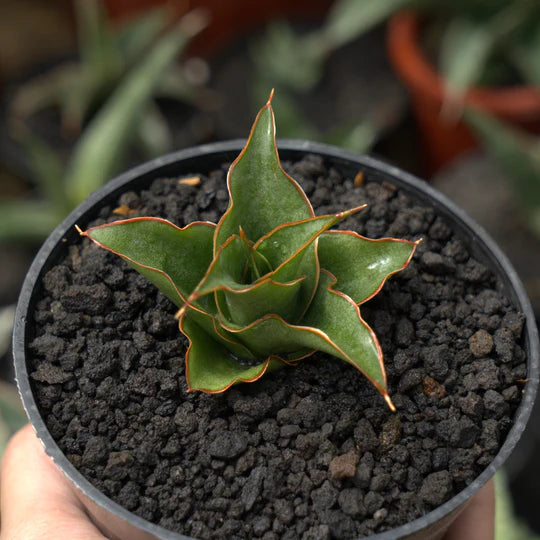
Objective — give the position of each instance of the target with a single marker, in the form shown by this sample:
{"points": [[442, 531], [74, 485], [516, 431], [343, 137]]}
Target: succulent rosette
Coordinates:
{"points": [[270, 283]]}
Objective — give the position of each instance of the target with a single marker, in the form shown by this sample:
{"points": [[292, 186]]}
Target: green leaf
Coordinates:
{"points": [[44, 91], [333, 324], [5, 434], [47, 169], [468, 43], [351, 339], [517, 152], [210, 367], [509, 524], [292, 250], [172, 258], [362, 265], [526, 58], [294, 61], [96, 40], [175, 85], [250, 304], [208, 323], [293, 123], [357, 137], [226, 270], [257, 264], [137, 35], [262, 196], [79, 97], [464, 50], [245, 302], [153, 133], [7, 316], [27, 220], [98, 154], [349, 19], [281, 245], [11, 407], [285, 291], [288, 60]]}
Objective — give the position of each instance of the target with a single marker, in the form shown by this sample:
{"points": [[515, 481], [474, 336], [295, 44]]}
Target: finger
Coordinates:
{"points": [[36, 500], [478, 519]]}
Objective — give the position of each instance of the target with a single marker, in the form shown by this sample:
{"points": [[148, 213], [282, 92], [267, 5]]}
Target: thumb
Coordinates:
{"points": [[36, 500]]}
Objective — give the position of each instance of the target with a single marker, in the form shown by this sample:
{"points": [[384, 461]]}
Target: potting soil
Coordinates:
{"points": [[305, 452]]}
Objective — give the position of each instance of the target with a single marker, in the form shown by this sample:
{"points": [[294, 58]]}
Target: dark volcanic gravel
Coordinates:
{"points": [[306, 452]]}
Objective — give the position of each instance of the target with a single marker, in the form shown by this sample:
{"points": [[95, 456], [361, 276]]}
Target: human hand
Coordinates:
{"points": [[477, 520], [36, 501]]}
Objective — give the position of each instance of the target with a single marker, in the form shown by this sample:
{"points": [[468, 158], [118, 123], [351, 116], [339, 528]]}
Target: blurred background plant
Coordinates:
{"points": [[106, 97], [293, 62], [474, 42], [79, 87], [106, 101], [12, 415], [484, 43], [454, 55]]}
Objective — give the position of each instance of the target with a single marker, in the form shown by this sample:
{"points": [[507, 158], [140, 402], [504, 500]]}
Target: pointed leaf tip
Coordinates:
{"points": [[274, 198], [347, 213], [180, 313], [389, 402], [269, 102]]}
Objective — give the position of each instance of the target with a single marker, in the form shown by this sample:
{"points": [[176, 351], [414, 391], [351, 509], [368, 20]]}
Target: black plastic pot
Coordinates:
{"points": [[116, 521]]}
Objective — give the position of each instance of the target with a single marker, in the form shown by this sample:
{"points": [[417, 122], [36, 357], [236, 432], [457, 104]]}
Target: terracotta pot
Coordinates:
{"points": [[445, 139], [228, 20]]}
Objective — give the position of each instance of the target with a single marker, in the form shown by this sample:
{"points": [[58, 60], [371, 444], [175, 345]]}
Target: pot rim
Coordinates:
{"points": [[520, 102], [288, 149]]}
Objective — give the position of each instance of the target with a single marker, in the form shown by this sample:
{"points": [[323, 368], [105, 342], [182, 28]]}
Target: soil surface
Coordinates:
{"points": [[306, 452]]}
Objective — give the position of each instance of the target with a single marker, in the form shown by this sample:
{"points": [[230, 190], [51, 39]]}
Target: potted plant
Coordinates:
{"points": [[485, 59], [310, 449]]}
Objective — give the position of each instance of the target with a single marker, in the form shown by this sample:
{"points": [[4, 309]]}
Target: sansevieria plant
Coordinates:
{"points": [[270, 283]]}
